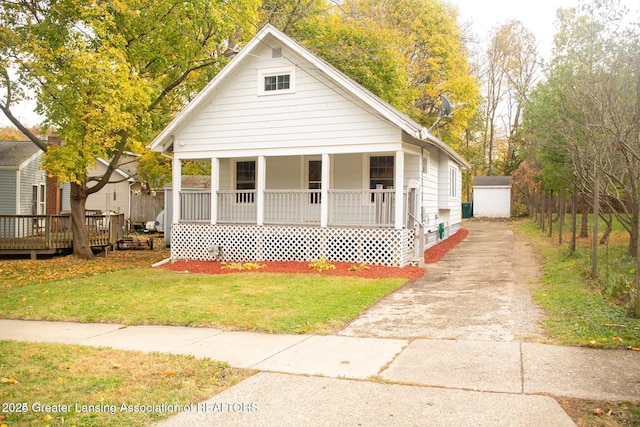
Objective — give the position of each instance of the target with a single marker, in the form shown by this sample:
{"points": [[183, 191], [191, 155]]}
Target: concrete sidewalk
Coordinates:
{"points": [[440, 382]]}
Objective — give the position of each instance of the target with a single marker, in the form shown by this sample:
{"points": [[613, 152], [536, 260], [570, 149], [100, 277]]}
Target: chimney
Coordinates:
{"points": [[54, 199]]}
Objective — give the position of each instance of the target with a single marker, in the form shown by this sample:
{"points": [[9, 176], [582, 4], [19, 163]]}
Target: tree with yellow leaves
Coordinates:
{"points": [[105, 75]]}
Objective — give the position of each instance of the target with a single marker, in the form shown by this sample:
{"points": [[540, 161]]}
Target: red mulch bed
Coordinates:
{"points": [[434, 253], [431, 256], [342, 269]]}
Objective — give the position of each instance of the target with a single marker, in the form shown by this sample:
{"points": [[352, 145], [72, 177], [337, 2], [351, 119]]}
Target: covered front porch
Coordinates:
{"points": [[352, 207], [350, 189]]}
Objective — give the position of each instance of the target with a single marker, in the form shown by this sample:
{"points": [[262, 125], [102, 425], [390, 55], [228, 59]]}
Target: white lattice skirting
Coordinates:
{"points": [[281, 243]]}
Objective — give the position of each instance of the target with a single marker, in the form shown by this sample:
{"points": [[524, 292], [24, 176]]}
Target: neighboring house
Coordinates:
{"points": [[305, 163], [22, 184], [492, 196], [116, 195], [124, 193]]}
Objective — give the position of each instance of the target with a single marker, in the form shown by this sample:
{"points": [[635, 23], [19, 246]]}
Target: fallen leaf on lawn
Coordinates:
{"points": [[10, 380], [170, 374]]}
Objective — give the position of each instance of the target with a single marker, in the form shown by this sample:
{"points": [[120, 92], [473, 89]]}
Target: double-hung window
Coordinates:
{"points": [[381, 173]]}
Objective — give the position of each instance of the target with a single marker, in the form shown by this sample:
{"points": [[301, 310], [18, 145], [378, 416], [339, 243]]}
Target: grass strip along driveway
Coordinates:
{"points": [[269, 302]]}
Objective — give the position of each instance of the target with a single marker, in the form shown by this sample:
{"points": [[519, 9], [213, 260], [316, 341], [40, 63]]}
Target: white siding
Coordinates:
{"points": [[226, 180], [430, 190], [8, 182], [284, 173], [316, 114], [348, 171], [492, 202], [112, 197]]}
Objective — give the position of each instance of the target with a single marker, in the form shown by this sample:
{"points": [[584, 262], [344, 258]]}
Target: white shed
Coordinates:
{"points": [[492, 196]]}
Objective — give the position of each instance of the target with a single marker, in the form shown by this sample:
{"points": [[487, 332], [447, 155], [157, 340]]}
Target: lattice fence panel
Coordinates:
{"points": [[281, 243]]}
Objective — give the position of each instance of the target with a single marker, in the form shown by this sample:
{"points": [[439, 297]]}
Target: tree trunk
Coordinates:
{"points": [[561, 213], [633, 240], [596, 215], [543, 210], [574, 219], [81, 246], [550, 213], [584, 229]]}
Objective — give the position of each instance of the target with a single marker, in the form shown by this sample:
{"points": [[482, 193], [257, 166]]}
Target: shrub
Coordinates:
{"points": [[321, 264]]}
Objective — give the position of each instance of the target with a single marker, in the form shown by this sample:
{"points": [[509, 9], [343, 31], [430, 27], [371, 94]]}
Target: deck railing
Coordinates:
{"points": [[54, 231], [365, 208]]}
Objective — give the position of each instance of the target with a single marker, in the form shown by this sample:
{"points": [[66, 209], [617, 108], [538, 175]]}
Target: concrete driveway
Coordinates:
{"points": [[481, 290]]}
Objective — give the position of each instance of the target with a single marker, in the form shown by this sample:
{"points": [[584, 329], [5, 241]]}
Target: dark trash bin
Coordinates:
{"points": [[466, 210]]}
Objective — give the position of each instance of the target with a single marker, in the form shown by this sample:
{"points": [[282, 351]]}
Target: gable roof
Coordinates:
{"points": [[417, 132], [14, 155]]}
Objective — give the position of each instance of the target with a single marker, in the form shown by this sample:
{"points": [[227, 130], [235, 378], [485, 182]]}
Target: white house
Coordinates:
{"points": [[305, 163], [492, 196]]}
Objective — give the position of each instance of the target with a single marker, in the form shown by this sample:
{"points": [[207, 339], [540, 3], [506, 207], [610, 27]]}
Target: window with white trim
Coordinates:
{"points": [[276, 81], [279, 82], [381, 171], [425, 163], [453, 182]]}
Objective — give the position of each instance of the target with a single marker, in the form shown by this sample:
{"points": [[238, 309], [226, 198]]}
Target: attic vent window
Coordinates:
{"points": [[281, 82], [276, 52], [276, 81]]}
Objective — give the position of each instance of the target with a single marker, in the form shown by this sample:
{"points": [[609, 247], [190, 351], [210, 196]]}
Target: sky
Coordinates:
{"points": [[537, 15]]}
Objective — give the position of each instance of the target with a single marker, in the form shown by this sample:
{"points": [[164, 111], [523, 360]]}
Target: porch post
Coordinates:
{"points": [[176, 185], [260, 186], [215, 186], [324, 190], [398, 183]]}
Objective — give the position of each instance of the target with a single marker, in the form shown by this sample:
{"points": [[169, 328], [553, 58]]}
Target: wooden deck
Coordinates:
{"points": [[51, 234]]}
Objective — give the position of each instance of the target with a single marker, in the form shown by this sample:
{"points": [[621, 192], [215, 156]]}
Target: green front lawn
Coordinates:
{"points": [[270, 302], [66, 385]]}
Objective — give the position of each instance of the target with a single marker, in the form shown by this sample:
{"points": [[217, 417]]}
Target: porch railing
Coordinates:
{"points": [[362, 207], [365, 208], [292, 207], [195, 205], [237, 206]]}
